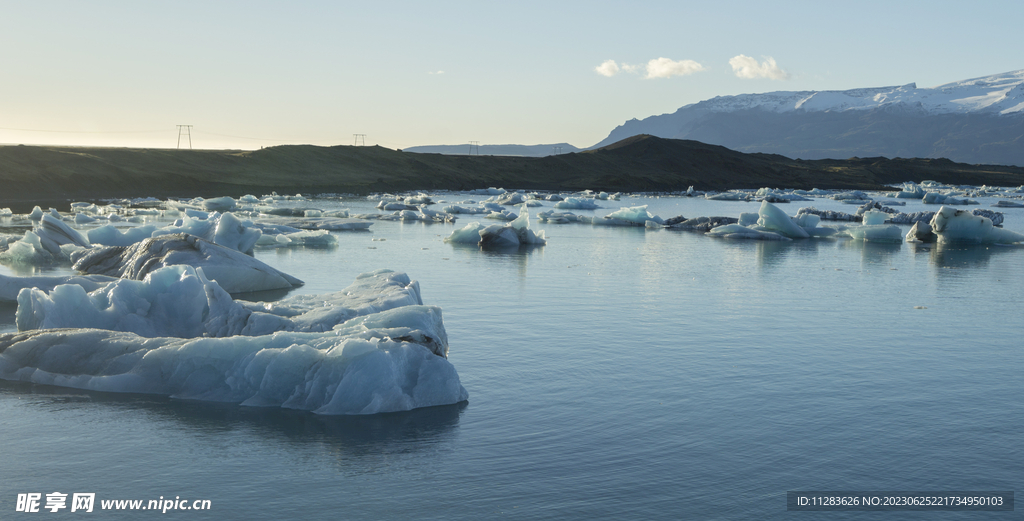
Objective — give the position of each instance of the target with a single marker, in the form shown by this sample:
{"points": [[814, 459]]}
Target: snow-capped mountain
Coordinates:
{"points": [[980, 120]]}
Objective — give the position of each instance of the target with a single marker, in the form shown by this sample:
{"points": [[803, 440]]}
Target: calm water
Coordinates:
{"points": [[614, 373]]}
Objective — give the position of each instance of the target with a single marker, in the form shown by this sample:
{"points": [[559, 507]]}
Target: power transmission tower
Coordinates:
{"points": [[556, 150], [359, 138], [187, 131], [474, 145]]}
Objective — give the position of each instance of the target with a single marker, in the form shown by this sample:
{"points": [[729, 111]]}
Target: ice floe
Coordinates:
{"points": [[235, 271], [371, 348], [959, 226]]}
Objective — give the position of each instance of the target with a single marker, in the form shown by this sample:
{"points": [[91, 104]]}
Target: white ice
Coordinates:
{"points": [[576, 203], [371, 364], [952, 225], [11, 286], [235, 271]]}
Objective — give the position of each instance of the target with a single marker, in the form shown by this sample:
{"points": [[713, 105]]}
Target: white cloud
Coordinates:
{"points": [[666, 68], [658, 68], [435, 73], [608, 68], [747, 67]]}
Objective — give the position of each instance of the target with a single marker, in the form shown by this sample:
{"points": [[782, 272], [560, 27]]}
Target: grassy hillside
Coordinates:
{"points": [[37, 174]]}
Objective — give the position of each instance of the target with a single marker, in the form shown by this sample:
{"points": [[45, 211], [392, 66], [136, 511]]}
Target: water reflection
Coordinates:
{"points": [[772, 254], [515, 255], [874, 254], [352, 435], [960, 256]]}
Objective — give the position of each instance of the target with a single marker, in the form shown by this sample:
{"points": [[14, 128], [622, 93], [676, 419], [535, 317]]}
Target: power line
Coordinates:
{"points": [[187, 130]]}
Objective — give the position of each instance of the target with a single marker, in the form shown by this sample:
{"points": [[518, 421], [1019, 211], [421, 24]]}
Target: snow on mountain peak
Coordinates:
{"points": [[999, 93]]}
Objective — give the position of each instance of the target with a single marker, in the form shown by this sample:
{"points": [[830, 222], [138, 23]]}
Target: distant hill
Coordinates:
{"points": [[49, 175], [496, 150], [977, 121]]}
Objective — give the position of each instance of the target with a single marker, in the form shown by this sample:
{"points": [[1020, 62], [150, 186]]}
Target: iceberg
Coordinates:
{"points": [[180, 301], [108, 235], [511, 235], [775, 220], [236, 272], [11, 286], [630, 216], [576, 203], [735, 231], [874, 233], [371, 348], [371, 364], [953, 226]]}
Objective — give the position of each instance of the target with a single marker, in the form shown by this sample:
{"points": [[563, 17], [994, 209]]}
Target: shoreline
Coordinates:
{"points": [[37, 175]]}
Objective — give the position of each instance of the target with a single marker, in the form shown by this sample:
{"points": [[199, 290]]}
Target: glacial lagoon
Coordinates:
{"points": [[615, 372]]}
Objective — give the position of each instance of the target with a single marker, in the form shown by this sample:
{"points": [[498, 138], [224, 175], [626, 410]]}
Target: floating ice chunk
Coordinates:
{"points": [[362, 369], [635, 215], [319, 223], [82, 218], [233, 270], [419, 199], [313, 238], [911, 191], [875, 233], [220, 204], [504, 215], [231, 233], [552, 216], [775, 220], [700, 224], [995, 217], [735, 231], [803, 220], [510, 235], [395, 206], [498, 236], [53, 234], [488, 191], [576, 203], [952, 225], [36, 214], [728, 196], [1007, 204], [871, 217], [468, 234], [108, 235], [471, 210], [10, 286], [6, 212], [180, 301], [921, 232], [749, 218], [510, 198]]}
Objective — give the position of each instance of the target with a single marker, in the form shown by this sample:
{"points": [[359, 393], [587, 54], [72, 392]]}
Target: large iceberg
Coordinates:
{"points": [[233, 270], [11, 286], [372, 347], [516, 233], [180, 301], [952, 225]]}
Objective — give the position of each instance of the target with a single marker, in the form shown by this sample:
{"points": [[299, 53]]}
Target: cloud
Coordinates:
{"points": [[666, 68], [608, 68], [435, 73], [747, 67], [659, 68]]}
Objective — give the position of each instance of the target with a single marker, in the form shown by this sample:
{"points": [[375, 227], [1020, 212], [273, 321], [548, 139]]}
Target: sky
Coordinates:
{"points": [[251, 74]]}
